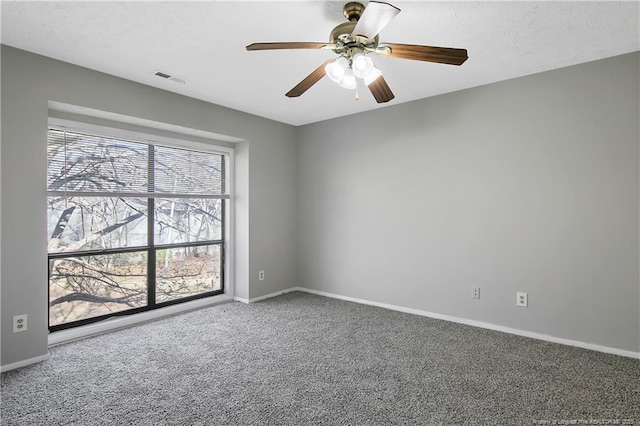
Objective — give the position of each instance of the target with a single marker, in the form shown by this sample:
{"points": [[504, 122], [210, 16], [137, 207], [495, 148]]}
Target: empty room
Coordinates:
{"points": [[320, 212]]}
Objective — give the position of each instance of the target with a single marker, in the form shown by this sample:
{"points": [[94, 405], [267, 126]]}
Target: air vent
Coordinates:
{"points": [[168, 77]]}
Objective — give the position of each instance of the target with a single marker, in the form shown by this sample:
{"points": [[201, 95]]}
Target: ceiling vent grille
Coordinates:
{"points": [[168, 77]]}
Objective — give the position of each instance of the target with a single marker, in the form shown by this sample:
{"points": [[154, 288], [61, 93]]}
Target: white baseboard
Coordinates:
{"points": [[474, 323], [266, 296], [115, 323], [24, 363]]}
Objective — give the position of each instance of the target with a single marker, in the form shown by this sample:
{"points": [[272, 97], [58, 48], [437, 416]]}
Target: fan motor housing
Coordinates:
{"points": [[342, 36], [342, 32]]}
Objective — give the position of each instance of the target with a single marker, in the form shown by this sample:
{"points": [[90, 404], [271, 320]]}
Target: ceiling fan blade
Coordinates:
{"points": [[308, 81], [288, 45], [375, 17], [380, 90], [442, 55]]}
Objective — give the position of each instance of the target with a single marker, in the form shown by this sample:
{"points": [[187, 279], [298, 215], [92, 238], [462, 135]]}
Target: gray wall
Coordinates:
{"points": [[526, 185], [266, 182]]}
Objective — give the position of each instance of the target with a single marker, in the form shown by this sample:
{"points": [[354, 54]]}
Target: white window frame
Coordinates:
{"points": [[181, 141]]}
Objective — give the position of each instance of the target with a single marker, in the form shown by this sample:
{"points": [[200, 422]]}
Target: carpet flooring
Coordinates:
{"points": [[301, 359]]}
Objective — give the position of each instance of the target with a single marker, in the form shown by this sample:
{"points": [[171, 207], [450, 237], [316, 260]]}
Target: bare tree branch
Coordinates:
{"points": [[72, 297], [94, 236]]}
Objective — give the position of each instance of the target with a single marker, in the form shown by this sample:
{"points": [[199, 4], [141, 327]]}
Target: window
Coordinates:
{"points": [[132, 226]]}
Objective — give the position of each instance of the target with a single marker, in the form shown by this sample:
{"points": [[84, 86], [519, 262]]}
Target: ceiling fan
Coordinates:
{"points": [[353, 42]]}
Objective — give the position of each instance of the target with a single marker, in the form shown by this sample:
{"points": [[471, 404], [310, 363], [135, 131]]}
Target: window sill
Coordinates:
{"points": [[65, 336]]}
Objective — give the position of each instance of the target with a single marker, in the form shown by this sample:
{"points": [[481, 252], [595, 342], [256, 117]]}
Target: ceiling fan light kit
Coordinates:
{"points": [[345, 72], [353, 42]]}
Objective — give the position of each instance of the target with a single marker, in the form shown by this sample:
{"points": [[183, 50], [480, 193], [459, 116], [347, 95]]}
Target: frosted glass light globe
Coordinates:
{"points": [[362, 65], [349, 80], [336, 69]]}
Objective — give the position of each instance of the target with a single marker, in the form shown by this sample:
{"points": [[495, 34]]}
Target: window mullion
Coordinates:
{"points": [[223, 246], [151, 256]]}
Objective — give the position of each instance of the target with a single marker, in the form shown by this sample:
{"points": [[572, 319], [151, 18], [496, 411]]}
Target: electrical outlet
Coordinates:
{"points": [[261, 275], [20, 323], [522, 300], [475, 293]]}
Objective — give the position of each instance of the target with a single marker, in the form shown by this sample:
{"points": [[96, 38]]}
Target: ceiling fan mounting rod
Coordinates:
{"points": [[353, 10]]}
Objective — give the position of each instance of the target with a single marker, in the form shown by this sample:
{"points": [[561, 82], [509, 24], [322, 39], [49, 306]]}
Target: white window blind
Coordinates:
{"points": [[89, 165]]}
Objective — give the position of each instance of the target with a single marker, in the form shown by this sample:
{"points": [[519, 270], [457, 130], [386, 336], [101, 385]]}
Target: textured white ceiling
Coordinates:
{"points": [[203, 43]]}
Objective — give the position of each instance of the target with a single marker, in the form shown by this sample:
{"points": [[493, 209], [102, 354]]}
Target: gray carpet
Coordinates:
{"points": [[302, 359]]}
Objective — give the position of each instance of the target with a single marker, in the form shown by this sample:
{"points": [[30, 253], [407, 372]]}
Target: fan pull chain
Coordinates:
{"points": [[357, 96]]}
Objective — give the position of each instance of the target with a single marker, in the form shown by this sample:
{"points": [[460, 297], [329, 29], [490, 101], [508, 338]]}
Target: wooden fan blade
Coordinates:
{"points": [[375, 17], [442, 55], [380, 90], [308, 81], [286, 45]]}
